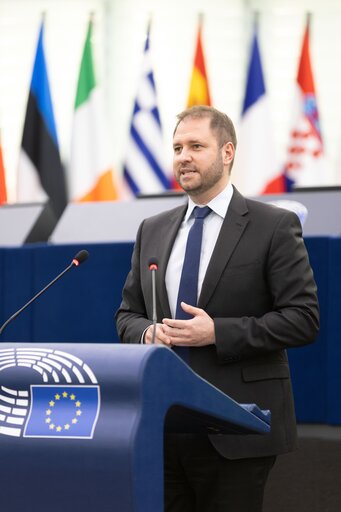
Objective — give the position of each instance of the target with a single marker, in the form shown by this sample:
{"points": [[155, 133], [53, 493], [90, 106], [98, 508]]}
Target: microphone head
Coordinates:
{"points": [[153, 263], [80, 257]]}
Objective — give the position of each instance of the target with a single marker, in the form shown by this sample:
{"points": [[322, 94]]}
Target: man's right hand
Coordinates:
{"points": [[160, 337]]}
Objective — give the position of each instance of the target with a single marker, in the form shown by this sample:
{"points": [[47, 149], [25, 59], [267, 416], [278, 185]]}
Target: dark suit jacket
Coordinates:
{"points": [[260, 291]]}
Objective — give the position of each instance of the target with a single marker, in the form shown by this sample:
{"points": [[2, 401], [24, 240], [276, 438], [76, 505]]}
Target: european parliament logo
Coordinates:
{"points": [[65, 405]]}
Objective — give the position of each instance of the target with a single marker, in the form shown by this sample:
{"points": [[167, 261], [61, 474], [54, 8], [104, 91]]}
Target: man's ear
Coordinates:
{"points": [[228, 153]]}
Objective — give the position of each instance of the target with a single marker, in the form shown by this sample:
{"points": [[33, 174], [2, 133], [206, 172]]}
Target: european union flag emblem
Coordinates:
{"points": [[63, 411]]}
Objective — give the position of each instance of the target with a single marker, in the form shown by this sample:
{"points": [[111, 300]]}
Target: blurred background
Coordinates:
{"points": [[118, 41]]}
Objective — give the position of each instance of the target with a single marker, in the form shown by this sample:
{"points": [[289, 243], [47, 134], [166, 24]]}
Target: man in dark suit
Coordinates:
{"points": [[256, 298]]}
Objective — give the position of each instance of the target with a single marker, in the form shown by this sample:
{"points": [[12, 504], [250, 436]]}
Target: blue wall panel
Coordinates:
{"points": [[309, 364], [334, 335], [80, 308]]}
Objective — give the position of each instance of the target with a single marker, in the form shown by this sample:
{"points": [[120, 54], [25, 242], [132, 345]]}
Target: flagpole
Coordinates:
{"points": [[149, 23]]}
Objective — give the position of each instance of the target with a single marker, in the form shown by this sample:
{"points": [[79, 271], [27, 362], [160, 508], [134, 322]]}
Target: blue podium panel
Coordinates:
{"points": [[81, 426]]}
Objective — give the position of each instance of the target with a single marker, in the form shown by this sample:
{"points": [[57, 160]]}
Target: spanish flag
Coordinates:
{"points": [[199, 93], [3, 193]]}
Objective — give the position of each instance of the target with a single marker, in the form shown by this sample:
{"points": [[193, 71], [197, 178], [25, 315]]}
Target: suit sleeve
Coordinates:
{"points": [[131, 317], [294, 316]]}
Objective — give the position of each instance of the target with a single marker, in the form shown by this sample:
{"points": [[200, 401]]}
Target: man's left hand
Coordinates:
{"points": [[196, 332]]}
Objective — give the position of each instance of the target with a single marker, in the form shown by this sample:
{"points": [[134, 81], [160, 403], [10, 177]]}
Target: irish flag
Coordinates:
{"points": [[91, 175]]}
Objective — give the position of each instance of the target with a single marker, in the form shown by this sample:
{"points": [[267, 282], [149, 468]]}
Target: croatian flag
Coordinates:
{"points": [[255, 163], [305, 162]]}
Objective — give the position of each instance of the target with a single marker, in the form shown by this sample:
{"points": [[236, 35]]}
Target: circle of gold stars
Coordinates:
{"points": [[49, 412]]}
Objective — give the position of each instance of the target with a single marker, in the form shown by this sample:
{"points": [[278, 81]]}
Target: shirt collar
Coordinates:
{"points": [[218, 205]]}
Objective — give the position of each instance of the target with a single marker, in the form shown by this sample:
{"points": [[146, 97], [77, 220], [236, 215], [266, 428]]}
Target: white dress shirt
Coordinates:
{"points": [[212, 226]]}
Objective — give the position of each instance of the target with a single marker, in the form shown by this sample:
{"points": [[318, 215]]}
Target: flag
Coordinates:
{"points": [[145, 169], [305, 162], [90, 175], [255, 163], [3, 192], [63, 411], [199, 92], [40, 172]]}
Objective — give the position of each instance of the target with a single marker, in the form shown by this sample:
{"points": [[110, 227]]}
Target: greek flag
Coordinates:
{"points": [[63, 411], [145, 168]]}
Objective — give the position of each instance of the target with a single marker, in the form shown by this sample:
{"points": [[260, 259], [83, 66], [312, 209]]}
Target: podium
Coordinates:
{"points": [[82, 425]]}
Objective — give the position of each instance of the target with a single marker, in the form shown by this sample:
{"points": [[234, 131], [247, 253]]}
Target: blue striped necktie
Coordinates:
{"points": [[188, 288]]}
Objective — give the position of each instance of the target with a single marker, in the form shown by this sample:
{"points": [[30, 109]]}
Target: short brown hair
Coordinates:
{"points": [[220, 124]]}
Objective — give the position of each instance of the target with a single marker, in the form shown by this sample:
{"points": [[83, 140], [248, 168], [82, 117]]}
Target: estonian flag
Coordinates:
{"points": [[41, 174]]}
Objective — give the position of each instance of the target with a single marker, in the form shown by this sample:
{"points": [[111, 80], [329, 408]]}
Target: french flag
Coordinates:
{"points": [[255, 164]]}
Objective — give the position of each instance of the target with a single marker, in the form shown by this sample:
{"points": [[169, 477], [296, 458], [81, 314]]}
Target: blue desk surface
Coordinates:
{"points": [[80, 308]]}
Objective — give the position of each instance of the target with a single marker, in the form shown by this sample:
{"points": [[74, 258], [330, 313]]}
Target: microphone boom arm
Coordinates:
{"points": [[77, 260]]}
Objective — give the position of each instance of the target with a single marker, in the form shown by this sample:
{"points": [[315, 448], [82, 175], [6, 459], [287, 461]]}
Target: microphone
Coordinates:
{"points": [[80, 257], [153, 267]]}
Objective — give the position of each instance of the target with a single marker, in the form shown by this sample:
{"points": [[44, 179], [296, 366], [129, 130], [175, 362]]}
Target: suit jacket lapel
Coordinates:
{"points": [[231, 231], [171, 230]]}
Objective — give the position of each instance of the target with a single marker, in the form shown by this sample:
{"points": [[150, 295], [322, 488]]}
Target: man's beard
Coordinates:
{"points": [[209, 178]]}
